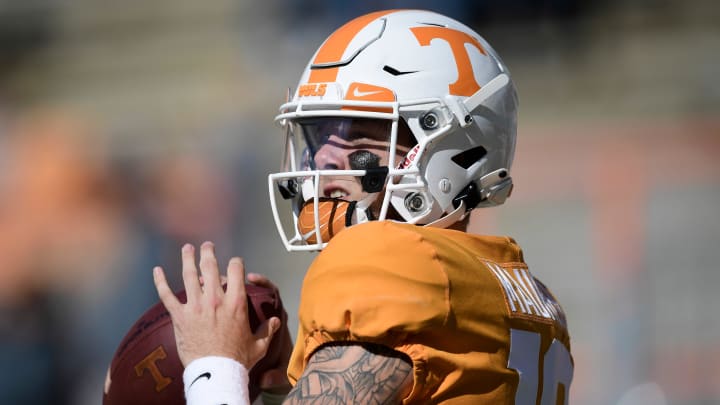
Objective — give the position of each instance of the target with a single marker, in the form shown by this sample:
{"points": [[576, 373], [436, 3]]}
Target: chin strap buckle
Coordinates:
{"points": [[470, 196]]}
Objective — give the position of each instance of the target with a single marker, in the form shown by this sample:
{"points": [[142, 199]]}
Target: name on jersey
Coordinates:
{"points": [[523, 295]]}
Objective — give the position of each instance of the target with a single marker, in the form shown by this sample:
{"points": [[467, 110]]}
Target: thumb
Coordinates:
{"points": [[266, 331]]}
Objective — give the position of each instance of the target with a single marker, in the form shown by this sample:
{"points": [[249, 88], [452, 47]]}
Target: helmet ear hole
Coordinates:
{"points": [[469, 157]]}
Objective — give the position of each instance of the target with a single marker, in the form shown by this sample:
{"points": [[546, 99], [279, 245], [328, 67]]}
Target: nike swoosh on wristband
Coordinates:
{"points": [[203, 375]]}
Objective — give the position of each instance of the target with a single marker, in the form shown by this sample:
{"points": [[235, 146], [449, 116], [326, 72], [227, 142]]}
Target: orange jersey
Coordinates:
{"points": [[479, 328]]}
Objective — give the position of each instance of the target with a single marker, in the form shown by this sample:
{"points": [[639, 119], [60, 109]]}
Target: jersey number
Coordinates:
{"points": [[555, 366]]}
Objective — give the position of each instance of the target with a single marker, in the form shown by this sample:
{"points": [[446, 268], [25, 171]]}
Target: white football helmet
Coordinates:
{"points": [[441, 110]]}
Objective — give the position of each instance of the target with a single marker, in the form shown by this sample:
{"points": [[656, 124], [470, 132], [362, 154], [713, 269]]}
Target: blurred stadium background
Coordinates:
{"points": [[129, 128]]}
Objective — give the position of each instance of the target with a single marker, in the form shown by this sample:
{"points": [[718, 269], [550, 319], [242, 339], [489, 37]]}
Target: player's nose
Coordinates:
{"points": [[332, 155]]}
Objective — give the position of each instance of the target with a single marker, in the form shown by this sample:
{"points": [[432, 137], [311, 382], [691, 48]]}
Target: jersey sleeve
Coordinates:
{"points": [[375, 282]]}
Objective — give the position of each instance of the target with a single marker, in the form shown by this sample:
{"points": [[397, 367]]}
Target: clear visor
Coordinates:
{"points": [[345, 146], [327, 143]]}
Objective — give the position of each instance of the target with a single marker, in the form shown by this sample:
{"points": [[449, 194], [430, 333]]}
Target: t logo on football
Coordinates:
{"points": [[149, 363]]}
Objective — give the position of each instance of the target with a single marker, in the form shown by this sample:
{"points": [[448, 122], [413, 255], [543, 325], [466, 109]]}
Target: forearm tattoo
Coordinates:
{"points": [[353, 374]]}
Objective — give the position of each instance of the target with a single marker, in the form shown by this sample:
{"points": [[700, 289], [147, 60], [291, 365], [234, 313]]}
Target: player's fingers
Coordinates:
{"points": [[263, 335], [189, 273], [260, 280], [236, 294], [223, 280], [164, 292], [210, 272], [265, 332]]}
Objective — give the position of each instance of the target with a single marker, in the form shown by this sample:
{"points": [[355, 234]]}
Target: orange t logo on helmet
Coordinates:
{"points": [[332, 50], [466, 85]]}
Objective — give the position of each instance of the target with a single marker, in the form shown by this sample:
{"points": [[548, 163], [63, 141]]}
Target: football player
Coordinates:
{"points": [[403, 122]]}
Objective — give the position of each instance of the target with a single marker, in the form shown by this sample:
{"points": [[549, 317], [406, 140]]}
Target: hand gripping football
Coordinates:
{"points": [[146, 369]]}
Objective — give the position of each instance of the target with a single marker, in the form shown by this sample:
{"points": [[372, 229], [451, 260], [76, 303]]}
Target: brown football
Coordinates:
{"points": [[146, 369]]}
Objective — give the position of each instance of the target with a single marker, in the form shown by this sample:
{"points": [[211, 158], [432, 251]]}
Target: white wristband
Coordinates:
{"points": [[216, 380]]}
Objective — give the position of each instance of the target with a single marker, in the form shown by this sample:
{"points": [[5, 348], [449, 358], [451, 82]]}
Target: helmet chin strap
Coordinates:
{"points": [[456, 215], [362, 212]]}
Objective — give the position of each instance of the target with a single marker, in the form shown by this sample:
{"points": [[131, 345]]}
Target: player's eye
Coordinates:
{"points": [[375, 130], [360, 134]]}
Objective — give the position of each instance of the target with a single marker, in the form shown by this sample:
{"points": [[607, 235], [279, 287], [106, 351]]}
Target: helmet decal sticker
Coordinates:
{"points": [[334, 47], [410, 157], [369, 92], [466, 85], [312, 90]]}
